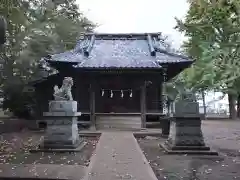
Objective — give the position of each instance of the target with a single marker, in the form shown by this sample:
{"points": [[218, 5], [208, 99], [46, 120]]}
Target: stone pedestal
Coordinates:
{"points": [[62, 129], [165, 126], [185, 135]]}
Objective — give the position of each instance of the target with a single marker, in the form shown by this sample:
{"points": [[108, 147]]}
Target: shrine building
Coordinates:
{"points": [[117, 78]]}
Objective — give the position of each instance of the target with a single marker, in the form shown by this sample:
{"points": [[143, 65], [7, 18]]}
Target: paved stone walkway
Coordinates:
{"points": [[118, 156]]}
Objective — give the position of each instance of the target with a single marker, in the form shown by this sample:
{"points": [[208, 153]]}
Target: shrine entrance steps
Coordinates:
{"points": [[118, 122], [118, 156]]}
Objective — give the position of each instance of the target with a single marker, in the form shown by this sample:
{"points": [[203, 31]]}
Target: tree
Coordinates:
{"points": [[37, 28], [213, 31], [3, 27]]}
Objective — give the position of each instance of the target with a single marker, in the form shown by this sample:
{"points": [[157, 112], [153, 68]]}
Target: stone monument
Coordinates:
{"points": [[62, 128], [185, 135]]}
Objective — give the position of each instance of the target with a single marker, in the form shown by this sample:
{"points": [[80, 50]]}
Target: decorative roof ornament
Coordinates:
{"points": [[150, 45], [90, 46]]}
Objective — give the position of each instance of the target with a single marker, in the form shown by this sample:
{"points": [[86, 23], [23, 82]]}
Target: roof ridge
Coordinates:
{"points": [[160, 50], [110, 36]]}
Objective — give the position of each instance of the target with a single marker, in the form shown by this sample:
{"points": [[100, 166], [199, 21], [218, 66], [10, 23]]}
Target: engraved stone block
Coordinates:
{"points": [[183, 133], [62, 114], [185, 130], [63, 131], [62, 128], [184, 109], [63, 106]]}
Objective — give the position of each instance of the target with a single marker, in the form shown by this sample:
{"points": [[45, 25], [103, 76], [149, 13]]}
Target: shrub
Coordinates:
{"points": [[19, 102]]}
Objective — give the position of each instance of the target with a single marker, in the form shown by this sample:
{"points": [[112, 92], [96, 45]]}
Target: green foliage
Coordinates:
{"points": [[20, 103], [213, 34], [36, 28]]}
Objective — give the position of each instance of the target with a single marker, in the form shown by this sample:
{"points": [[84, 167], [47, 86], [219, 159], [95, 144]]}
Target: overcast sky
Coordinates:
{"points": [[125, 16]]}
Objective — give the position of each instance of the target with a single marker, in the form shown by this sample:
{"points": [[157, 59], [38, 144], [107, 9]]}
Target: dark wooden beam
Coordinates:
{"points": [[143, 105]]}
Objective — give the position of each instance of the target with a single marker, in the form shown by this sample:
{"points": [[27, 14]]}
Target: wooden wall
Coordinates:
{"points": [[81, 92]]}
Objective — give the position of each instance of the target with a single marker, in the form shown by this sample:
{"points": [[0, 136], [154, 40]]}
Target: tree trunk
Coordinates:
{"points": [[238, 106], [204, 103], [232, 109]]}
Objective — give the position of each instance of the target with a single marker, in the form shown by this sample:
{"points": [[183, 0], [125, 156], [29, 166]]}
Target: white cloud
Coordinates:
{"points": [[123, 16]]}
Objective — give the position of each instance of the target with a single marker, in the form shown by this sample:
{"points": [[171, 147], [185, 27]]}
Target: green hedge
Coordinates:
{"points": [[19, 102]]}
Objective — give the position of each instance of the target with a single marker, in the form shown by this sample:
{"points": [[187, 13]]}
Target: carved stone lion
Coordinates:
{"points": [[64, 93], [189, 96]]}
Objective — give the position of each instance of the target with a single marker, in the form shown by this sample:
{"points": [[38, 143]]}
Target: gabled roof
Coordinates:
{"points": [[119, 51]]}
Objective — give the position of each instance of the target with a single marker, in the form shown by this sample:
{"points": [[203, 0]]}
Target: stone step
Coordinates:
{"points": [[129, 125], [118, 122], [129, 118], [123, 128]]}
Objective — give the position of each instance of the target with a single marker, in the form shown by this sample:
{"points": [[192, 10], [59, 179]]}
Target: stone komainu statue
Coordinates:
{"points": [[188, 95], [64, 93]]}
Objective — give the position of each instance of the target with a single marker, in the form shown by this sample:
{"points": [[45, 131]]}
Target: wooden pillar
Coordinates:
{"points": [[92, 107], [143, 105]]}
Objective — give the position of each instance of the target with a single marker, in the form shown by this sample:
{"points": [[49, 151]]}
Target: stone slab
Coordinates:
{"points": [[183, 109], [61, 133], [144, 134], [78, 148], [61, 138], [62, 114], [186, 132], [63, 106], [169, 150], [61, 145], [89, 134], [180, 148]]}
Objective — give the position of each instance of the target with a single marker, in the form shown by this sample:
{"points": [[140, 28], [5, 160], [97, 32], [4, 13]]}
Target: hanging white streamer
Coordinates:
{"points": [[131, 94], [122, 94], [111, 94], [102, 92]]}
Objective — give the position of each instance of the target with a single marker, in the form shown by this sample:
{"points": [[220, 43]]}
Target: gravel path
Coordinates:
{"points": [[220, 135], [17, 161]]}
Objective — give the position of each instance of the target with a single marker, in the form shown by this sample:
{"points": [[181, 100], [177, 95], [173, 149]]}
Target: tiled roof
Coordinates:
{"points": [[119, 51]]}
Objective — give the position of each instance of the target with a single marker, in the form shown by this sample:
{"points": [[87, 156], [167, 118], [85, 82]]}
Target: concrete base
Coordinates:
{"points": [[93, 128], [61, 148], [165, 125], [190, 150], [89, 134]]}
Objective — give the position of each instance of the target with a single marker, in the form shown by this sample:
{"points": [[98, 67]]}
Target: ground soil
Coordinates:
{"points": [[222, 136], [14, 149]]}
